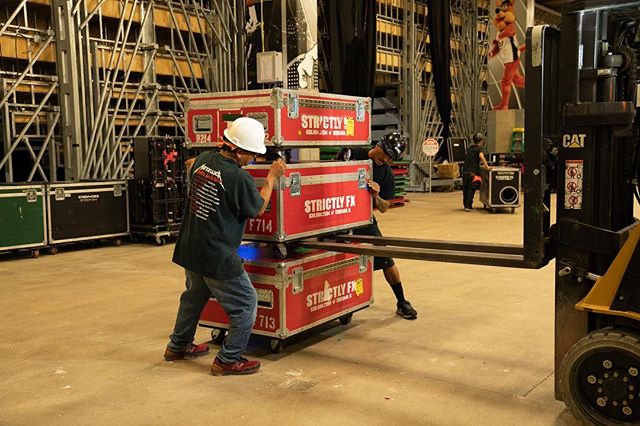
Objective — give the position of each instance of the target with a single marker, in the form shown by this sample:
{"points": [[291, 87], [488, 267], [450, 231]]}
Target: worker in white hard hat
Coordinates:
{"points": [[222, 196]]}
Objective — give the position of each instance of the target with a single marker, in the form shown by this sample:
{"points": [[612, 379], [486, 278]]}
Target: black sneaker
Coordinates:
{"points": [[406, 311]]}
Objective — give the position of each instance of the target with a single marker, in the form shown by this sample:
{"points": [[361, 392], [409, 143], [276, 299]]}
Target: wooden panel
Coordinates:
{"points": [[389, 28], [161, 15], [18, 48], [163, 65]]}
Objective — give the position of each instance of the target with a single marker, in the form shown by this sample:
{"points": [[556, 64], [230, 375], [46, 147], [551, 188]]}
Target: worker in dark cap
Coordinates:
{"points": [[471, 178], [382, 184]]}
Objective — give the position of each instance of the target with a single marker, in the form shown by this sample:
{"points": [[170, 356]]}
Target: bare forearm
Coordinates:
{"points": [[265, 193], [383, 205]]}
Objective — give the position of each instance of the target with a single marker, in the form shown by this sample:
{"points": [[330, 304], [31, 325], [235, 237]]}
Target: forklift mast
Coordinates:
{"points": [[583, 80]]}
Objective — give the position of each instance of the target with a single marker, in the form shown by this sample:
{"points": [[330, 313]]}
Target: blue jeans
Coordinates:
{"points": [[237, 297]]}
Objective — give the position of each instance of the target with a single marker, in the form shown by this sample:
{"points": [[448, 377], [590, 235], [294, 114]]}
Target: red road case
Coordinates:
{"points": [[308, 288], [313, 199], [292, 119]]}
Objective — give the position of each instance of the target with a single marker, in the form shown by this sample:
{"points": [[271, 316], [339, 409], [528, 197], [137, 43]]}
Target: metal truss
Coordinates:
{"points": [[116, 69], [468, 48], [29, 111]]}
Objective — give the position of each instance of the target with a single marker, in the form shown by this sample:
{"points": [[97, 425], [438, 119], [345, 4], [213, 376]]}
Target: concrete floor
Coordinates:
{"points": [[83, 334]]}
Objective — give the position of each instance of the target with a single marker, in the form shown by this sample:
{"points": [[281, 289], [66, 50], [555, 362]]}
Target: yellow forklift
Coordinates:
{"points": [[583, 141]]}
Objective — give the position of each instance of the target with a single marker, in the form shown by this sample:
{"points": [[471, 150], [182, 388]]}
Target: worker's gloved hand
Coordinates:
{"points": [[374, 187], [278, 168]]}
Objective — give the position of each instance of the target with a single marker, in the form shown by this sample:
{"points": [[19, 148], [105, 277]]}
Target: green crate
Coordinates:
{"points": [[22, 216]]}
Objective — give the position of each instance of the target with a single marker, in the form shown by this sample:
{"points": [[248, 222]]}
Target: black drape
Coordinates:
{"points": [[438, 17], [352, 34]]}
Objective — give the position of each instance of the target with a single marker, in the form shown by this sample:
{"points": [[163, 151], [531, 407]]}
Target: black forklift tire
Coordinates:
{"points": [[346, 319], [616, 353], [276, 346], [218, 335]]}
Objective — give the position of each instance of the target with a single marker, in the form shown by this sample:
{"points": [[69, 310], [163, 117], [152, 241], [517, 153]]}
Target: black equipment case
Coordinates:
{"points": [[91, 210]]}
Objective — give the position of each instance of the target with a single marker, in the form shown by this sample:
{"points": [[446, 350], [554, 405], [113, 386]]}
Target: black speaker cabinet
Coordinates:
{"points": [[457, 149], [500, 188]]}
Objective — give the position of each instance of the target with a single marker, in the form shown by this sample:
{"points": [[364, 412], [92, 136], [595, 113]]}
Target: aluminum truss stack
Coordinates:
{"points": [[81, 79], [468, 44], [469, 50], [29, 107]]}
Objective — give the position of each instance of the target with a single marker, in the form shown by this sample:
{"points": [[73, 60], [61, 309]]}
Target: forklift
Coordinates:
{"points": [[583, 141]]}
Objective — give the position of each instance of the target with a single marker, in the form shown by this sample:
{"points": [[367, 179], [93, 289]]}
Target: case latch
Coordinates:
{"points": [[298, 280], [363, 263], [360, 110], [32, 195], [117, 190], [362, 179], [295, 186], [292, 105], [60, 195]]}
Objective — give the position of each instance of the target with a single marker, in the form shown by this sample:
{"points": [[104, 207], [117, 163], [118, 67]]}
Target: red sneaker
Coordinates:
{"points": [[241, 366], [192, 351]]}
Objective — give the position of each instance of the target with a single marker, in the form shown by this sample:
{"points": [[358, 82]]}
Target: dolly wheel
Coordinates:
{"points": [[345, 319], [161, 241], [53, 250], [276, 346], [35, 253], [600, 378], [281, 250], [218, 335]]}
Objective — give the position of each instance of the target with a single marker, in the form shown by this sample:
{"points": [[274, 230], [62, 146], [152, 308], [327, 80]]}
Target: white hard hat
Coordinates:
{"points": [[247, 133]]}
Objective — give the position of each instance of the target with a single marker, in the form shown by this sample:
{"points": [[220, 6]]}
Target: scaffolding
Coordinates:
{"points": [[469, 98], [79, 80]]}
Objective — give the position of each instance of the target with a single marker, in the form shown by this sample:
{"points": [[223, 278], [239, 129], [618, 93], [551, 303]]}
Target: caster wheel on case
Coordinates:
{"points": [[118, 242], [161, 241], [345, 319], [53, 250], [513, 210], [276, 346], [281, 250], [218, 335], [35, 253]]}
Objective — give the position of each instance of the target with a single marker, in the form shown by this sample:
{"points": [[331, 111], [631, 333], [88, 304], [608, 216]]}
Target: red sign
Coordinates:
{"points": [[430, 147]]}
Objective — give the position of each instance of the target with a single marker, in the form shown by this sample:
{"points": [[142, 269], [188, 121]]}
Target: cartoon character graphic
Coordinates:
{"points": [[505, 47]]}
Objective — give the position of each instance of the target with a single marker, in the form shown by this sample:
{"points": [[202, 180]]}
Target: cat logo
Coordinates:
{"points": [[575, 140]]}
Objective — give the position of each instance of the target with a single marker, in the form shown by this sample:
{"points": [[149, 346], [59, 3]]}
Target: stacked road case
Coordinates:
{"points": [[297, 289], [158, 189]]}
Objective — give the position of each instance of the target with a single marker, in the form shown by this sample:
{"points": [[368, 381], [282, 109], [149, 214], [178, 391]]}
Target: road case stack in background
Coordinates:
{"points": [[158, 188], [297, 288]]}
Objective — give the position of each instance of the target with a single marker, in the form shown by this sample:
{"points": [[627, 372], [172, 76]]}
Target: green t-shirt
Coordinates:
{"points": [[222, 196]]}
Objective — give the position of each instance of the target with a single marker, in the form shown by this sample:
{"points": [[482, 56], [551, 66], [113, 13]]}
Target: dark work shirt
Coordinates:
{"points": [[382, 175], [472, 160], [221, 198]]}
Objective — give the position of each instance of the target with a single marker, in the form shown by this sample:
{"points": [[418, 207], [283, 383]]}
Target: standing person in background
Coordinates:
{"points": [[383, 187], [471, 178], [222, 196]]}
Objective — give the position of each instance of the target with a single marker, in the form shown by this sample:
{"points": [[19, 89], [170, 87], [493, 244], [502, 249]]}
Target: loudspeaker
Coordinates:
{"points": [[457, 149], [501, 188]]}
